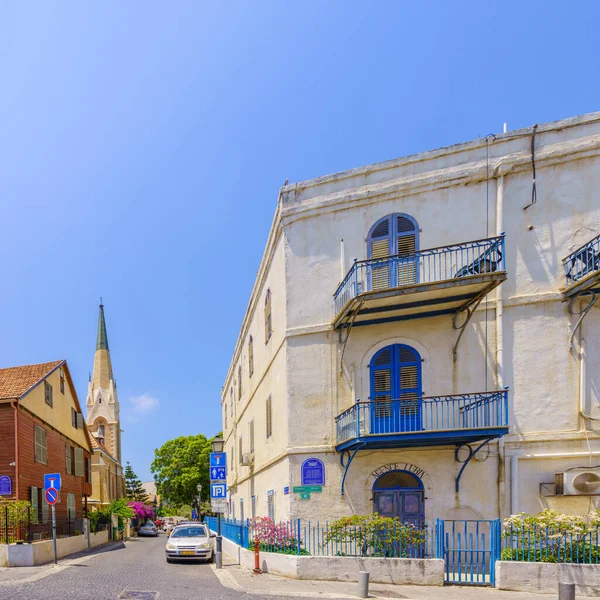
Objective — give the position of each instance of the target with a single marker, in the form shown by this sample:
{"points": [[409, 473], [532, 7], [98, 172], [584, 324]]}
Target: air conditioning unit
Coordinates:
{"points": [[581, 481], [247, 459]]}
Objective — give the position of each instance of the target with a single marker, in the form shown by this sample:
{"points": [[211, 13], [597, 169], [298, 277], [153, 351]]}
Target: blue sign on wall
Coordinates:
{"points": [[312, 472], [5, 485], [286, 490]]}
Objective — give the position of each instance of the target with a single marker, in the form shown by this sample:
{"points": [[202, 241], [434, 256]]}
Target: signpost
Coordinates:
{"points": [[300, 489], [218, 489], [51, 496]]}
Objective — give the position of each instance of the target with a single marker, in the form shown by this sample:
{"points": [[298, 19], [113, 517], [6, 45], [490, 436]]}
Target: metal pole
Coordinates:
{"points": [[566, 591], [54, 532], [219, 543], [363, 584]]}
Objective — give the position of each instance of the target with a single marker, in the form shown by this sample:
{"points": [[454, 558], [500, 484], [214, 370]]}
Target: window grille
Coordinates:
{"points": [[269, 417], [48, 393], [271, 505], [41, 448], [250, 356], [268, 324], [69, 459]]}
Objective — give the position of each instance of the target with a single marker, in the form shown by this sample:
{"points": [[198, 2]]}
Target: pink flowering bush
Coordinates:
{"points": [[141, 511], [274, 537]]}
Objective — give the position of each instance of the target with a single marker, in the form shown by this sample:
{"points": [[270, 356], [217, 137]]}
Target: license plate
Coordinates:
{"points": [[187, 552]]}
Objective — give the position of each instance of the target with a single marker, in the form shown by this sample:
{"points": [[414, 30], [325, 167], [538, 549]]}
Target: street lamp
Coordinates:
{"points": [[198, 499], [217, 446]]}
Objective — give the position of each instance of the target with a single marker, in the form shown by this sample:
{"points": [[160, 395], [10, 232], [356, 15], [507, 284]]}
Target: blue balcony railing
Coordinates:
{"points": [[484, 410], [425, 266], [582, 262]]}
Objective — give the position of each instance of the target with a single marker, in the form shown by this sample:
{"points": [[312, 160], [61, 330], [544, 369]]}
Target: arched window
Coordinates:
{"points": [[400, 494], [395, 235], [268, 324], [250, 356], [396, 390]]}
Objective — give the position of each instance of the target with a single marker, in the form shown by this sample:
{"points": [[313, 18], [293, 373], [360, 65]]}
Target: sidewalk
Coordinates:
{"points": [[242, 580]]}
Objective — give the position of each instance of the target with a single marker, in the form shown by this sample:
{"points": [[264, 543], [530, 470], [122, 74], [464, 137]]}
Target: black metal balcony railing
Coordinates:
{"points": [[582, 262], [438, 415], [425, 266]]}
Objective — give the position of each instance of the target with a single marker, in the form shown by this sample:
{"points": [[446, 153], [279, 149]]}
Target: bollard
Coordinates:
{"points": [[219, 553], [257, 570], [566, 591], [363, 584]]}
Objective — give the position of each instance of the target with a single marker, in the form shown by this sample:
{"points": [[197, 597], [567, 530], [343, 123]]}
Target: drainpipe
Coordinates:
{"points": [[500, 348], [16, 422]]}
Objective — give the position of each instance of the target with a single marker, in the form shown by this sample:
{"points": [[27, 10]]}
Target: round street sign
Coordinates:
{"points": [[51, 496]]}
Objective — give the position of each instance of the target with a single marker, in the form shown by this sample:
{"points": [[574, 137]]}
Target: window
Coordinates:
{"points": [[62, 380], [269, 417], [79, 462], [71, 507], [253, 506], [48, 393], [232, 459], [396, 389], [100, 431], [41, 449], [88, 470], [251, 436], [271, 505], [231, 400], [35, 503], [239, 383], [268, 324], [394, 235], [225, 414], [241, 510], [45, 506], [74, 418], [250, 356], [69, 459], [241, 449]]}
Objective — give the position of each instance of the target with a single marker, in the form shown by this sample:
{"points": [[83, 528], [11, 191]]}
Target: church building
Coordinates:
{"points": [[104, 424]]}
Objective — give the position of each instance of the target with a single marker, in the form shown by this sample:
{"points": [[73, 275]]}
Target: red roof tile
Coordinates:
{"points": [[15, 381]]}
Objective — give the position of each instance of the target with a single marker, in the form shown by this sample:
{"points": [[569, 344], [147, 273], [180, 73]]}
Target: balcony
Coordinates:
{"points": [[582, 269], [428, 283], [423, 421]]}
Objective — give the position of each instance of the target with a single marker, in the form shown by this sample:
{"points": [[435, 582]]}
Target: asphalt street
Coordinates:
{"points": [[117, 571]]}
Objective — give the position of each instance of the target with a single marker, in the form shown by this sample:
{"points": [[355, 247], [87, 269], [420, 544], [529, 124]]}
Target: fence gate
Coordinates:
{"points": [[470, 550]]}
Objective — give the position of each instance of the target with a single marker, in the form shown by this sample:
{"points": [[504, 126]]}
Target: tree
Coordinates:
{"points": [[133, 486], [179, 466]]}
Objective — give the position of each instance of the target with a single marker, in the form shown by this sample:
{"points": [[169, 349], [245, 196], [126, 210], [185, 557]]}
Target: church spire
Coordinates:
{"points": [[102, 338]]}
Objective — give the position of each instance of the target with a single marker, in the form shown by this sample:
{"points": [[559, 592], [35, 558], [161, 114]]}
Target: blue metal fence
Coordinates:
{"points": [[432, 413], [547, 544], [425, 266], [231, 529], [582, 262]]}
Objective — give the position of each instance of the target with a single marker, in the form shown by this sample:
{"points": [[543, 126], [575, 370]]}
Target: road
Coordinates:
{"points": [[113, 572]]}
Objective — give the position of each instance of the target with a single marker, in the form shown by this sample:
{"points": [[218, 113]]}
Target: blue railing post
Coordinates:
{"points": [[298, 536]]}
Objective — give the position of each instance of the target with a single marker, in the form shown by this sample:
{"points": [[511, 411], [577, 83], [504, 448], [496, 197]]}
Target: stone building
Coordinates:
{"points": [[103, 422], [421, 334]]}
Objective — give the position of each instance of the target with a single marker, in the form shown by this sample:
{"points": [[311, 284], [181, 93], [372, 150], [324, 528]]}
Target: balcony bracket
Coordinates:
{"points": [[469, 309], [345, 341], [346, 466], [472, 453], [592, 300]]}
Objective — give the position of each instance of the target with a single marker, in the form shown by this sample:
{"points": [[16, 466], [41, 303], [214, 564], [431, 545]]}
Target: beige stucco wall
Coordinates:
{"points": [[59, 414], [447, 193]]}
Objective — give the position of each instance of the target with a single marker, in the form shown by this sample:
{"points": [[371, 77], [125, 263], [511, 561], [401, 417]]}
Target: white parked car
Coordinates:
{"points": [[190, 541]]}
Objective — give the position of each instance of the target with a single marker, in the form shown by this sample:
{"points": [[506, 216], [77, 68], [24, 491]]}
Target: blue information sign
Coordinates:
{"points": [[286, 490], [218, 490], [52, 480], [194, 514], [217, 474], [218, 459], [5, 485], [312, 472]]}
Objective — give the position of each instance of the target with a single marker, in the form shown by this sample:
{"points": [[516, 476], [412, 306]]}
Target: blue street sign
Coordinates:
{"points": [[51, 496], [218, 490], [312, 472], [217, 474], [52, 480], [218, 459], [286, 490], [194, 514]]}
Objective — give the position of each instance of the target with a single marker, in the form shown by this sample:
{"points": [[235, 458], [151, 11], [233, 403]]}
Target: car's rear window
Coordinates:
{"points": [[189, 532]]}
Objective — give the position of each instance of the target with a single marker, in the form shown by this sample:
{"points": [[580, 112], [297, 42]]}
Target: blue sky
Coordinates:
{"points": [[143, 145]]}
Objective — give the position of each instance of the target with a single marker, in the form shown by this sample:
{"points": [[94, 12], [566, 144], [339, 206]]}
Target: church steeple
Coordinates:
{"points": [[102, 401]]}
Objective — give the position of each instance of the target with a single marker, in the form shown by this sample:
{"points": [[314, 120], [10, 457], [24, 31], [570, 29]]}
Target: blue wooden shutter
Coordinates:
{"points": [[405, 245], [382, 382], [409, 384]]}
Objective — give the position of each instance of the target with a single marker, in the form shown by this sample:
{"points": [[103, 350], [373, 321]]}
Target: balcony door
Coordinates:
{"points": [[393, 236], [396, 390]]}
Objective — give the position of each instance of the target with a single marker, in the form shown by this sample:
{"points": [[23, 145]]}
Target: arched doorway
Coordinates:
{"points": [[400, 494]]}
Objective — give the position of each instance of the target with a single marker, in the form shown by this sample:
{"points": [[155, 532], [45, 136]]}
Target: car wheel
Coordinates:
{"points": [[169, 560], [212, 557]]}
